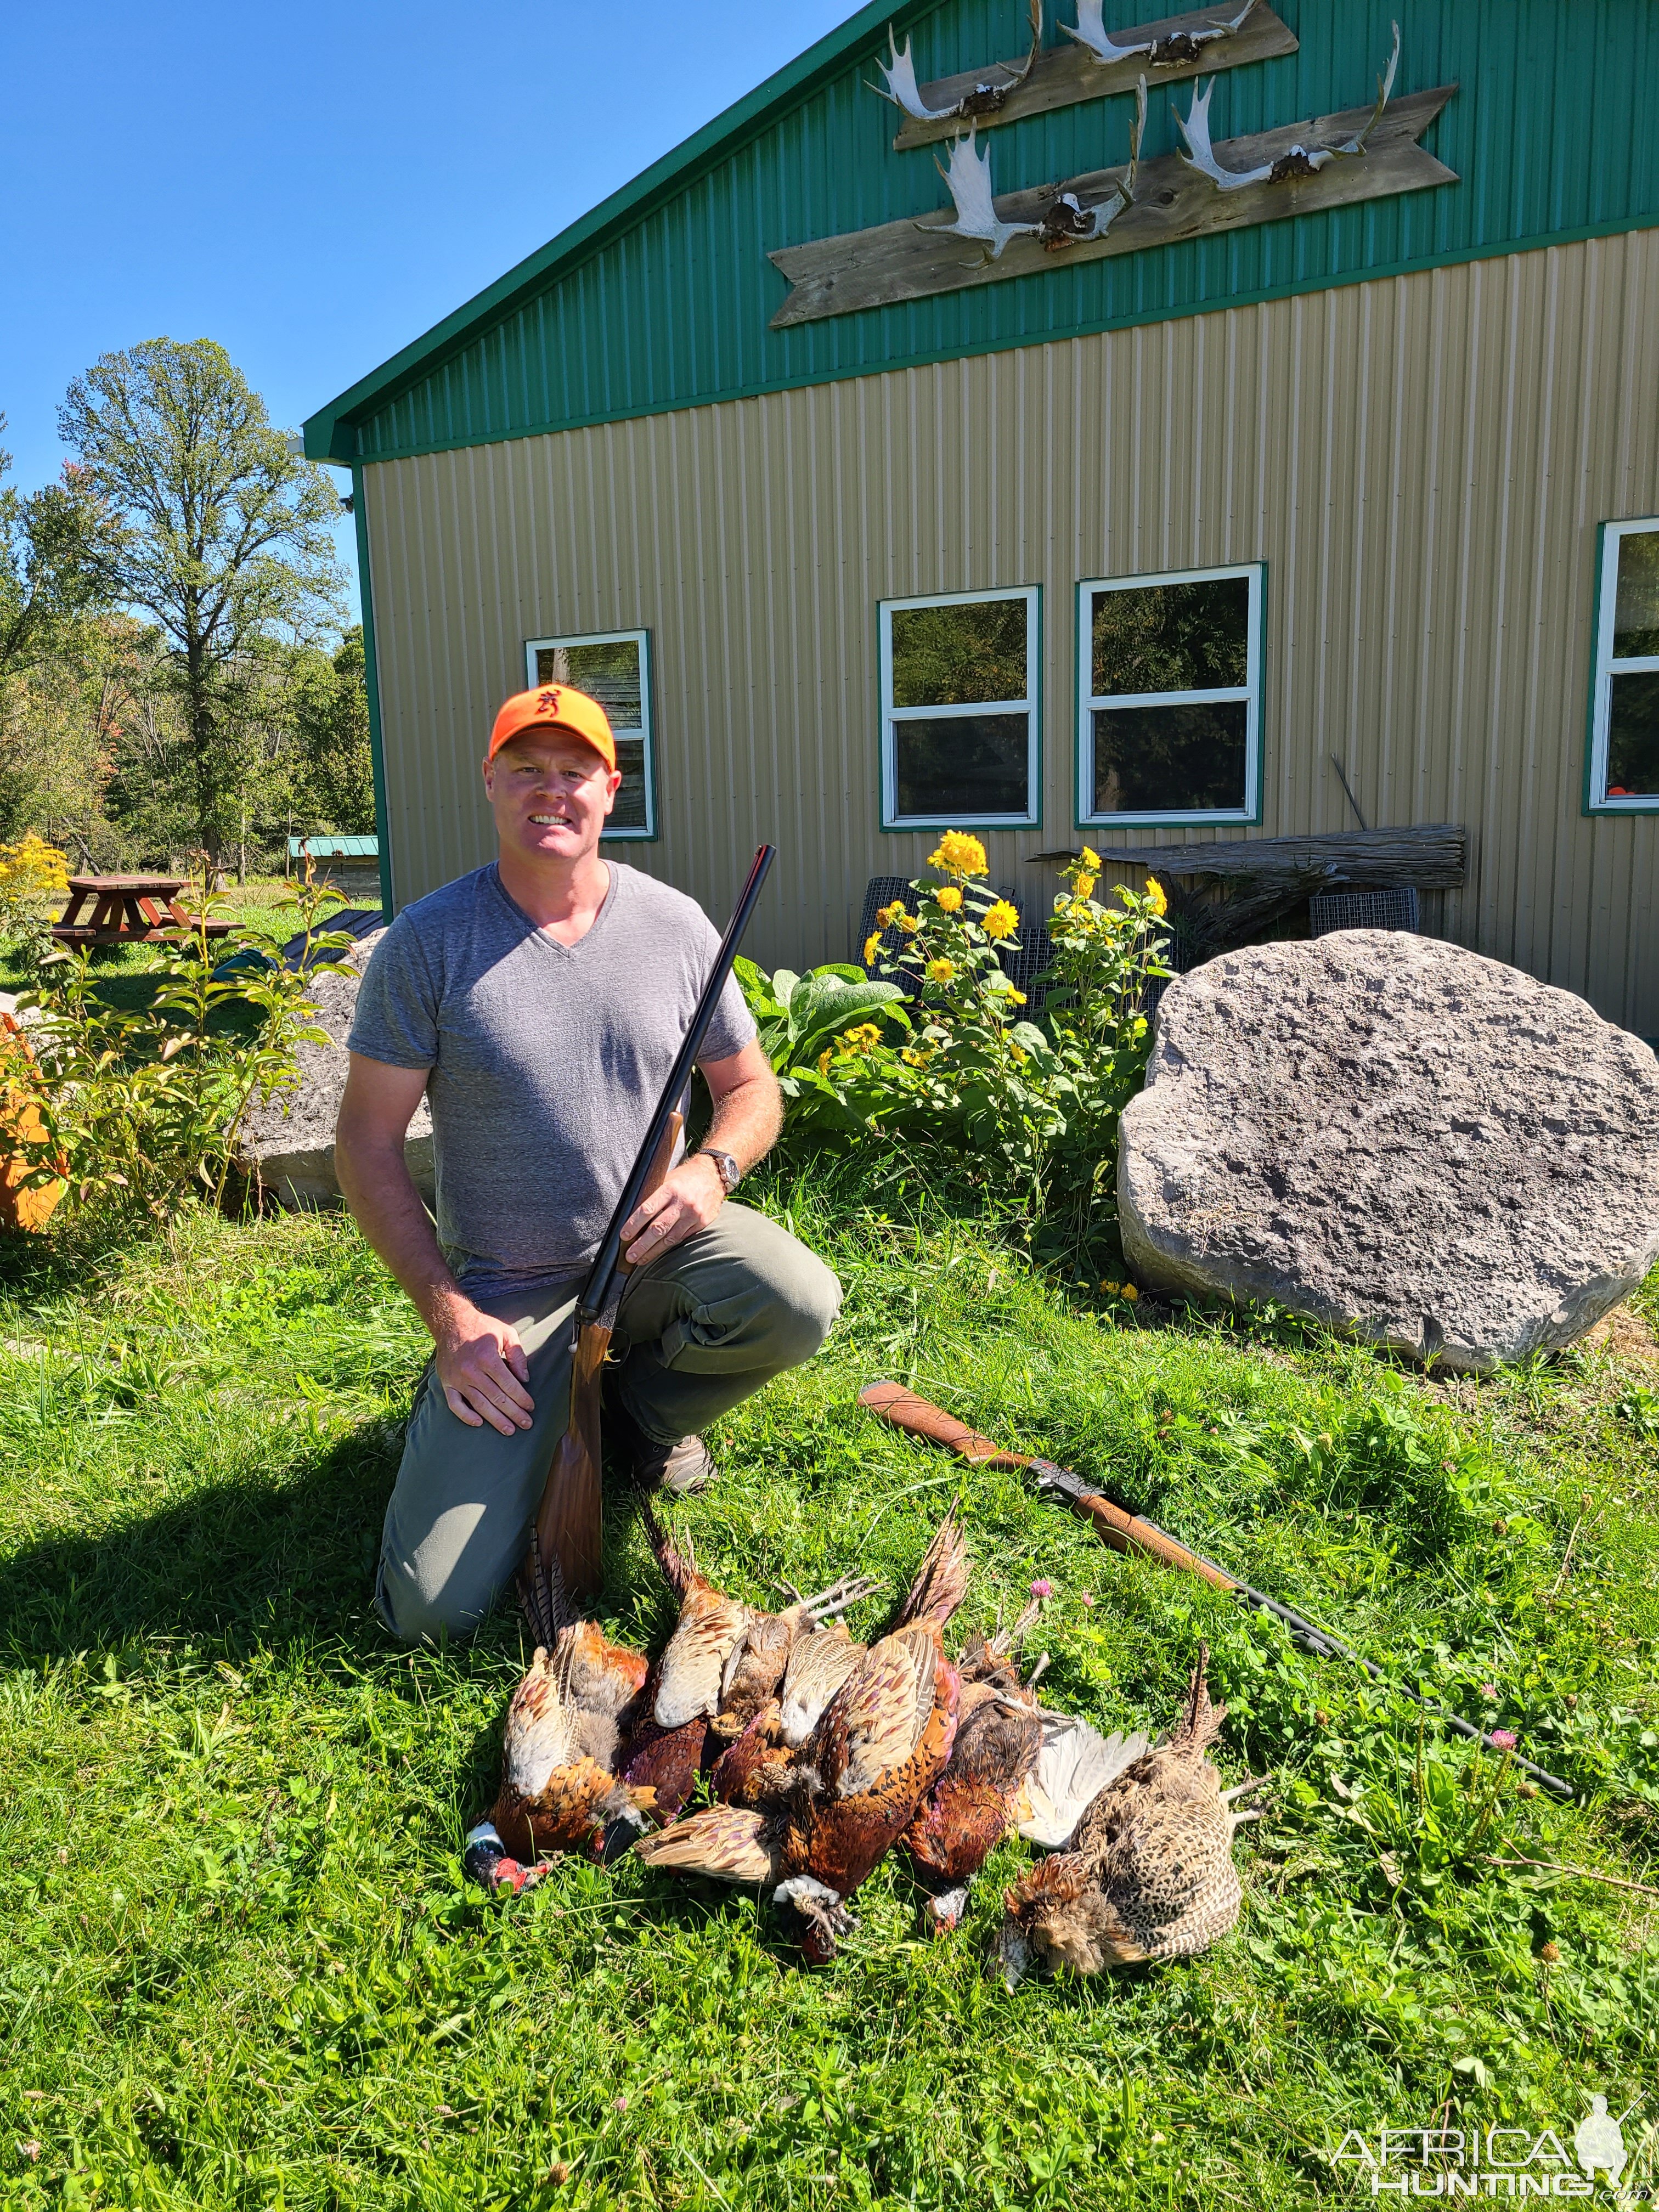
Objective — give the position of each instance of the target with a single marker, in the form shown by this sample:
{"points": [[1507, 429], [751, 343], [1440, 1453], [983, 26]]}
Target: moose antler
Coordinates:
{"points": [[1167, 52], [984, 99]]}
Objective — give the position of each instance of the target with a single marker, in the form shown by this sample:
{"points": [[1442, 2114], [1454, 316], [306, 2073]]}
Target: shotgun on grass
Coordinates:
{"points": [[568, 1523], [1128, 1532]]}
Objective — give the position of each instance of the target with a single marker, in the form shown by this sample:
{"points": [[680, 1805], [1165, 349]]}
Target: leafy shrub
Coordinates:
{"points": [[143, 1105], [934, 1052], [33, 877]]}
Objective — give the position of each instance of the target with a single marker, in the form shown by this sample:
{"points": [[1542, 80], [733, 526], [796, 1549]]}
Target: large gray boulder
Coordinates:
{"points": [[1421, 1147], [289, 1144]]}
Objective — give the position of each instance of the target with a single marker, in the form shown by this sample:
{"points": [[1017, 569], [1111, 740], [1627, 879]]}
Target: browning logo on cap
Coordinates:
{"points": [[549, 700]]}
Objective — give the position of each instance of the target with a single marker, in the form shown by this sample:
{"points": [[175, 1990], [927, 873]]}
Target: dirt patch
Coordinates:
{"points": [[1625, 1335]]}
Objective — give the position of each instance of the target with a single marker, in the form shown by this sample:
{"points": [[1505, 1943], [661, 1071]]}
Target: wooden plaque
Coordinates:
{"points": [[914, 259], [1069, 72]]}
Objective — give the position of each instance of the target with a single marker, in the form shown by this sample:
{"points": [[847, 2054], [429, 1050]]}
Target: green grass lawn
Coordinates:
{"points": [[239, 1965]]}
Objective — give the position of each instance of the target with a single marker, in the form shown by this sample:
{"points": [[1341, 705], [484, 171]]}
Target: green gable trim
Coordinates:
{"points": [[661, 298]]}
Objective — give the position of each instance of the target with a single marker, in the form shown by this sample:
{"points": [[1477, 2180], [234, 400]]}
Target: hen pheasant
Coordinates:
{"points": [[826, 1816], [1150, 1872], [559, 1788], [722, 1667]]}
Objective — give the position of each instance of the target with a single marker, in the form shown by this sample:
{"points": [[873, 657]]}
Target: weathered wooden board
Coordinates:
{"points": [[1429, 855], [1069, 72], [914, 259]]}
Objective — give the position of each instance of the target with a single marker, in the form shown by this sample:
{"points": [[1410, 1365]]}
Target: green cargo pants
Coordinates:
{"points": [[699, 1331]]}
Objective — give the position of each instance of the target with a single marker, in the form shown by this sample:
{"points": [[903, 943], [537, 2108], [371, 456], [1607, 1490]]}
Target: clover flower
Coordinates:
{"points": [[1042, 1588], [1489, 1692], [1000, 920], [1503, 1738], [959, 855]]}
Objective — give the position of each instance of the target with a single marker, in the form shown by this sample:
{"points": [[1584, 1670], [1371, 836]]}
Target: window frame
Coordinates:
{"points": [[897, 824], [1604, 667], [641, 638], [1255, 573]]}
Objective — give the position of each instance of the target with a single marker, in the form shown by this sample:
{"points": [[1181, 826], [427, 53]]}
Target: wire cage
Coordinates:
{"points": [[1396, 908]]}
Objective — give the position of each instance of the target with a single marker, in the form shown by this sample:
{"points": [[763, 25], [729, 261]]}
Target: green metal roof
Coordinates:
{"points": [[661, 297]]}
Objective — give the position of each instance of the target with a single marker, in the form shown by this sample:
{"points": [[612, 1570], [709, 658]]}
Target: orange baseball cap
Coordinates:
{"points": [[555, 707]]}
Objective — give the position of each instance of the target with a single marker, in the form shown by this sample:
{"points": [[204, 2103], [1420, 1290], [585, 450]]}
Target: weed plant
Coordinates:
{"points": [[240, 1966]]}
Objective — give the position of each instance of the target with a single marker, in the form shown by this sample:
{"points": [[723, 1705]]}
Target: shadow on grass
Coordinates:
{"points": [[268, 1561], [254, 1562]]}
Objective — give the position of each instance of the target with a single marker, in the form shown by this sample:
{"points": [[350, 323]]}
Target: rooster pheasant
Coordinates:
{"points": [[1150, 1872], [559, 1789], [722, 1667], [826, 1816]]}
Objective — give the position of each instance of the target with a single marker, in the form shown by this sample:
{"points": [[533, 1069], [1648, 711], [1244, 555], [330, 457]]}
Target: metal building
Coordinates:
{"points": [[1342, 456]]}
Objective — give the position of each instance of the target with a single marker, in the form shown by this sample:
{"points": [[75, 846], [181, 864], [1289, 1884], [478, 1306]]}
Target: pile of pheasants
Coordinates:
{"points": [[823, 1753]]}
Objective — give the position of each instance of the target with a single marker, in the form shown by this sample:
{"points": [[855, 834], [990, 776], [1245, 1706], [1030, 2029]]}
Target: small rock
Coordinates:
{"points": [[1409, 1142], [289, 1144]]}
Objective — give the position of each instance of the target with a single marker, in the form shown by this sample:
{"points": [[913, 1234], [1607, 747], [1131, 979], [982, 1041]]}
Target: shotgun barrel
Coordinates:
{"points": [[597, 1289], [568, 1524]]}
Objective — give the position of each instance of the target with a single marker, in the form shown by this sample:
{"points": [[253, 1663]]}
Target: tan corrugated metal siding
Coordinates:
{"points": [[1422, 462]]}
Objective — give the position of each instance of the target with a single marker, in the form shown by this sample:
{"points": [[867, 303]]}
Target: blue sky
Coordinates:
{"points": [[314, 185]]}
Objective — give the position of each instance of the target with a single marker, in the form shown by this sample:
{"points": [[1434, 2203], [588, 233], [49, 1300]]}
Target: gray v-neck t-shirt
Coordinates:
{"points": [[546, 1059]]}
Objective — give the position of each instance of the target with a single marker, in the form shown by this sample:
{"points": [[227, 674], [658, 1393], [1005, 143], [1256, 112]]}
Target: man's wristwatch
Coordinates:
{"points": [[729, 1173]]}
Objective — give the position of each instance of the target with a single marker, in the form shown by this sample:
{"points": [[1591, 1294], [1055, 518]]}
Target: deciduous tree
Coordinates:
{"points": [[227, 542]]}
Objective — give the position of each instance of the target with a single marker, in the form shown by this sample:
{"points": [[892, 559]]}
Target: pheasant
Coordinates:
{"points": [[1150, 1873], [722, 1665], [559, 1790], [826, 1817], [983, 1790]]}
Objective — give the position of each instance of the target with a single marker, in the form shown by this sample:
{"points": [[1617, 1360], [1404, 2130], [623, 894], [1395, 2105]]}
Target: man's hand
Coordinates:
{"points": [[688, 1200], [482, 1367]]}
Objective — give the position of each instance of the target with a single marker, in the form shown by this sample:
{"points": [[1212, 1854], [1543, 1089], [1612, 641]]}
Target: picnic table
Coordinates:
{"points": [[128, 910]]}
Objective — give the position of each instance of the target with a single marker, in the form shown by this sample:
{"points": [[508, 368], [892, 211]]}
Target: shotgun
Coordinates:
{"points": [[569, 1522], [1128, 1532]]}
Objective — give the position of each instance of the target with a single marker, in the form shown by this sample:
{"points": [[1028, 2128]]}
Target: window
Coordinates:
{"points": [[1624, 751], [959, 710], [614, 667], [1170, 692]]}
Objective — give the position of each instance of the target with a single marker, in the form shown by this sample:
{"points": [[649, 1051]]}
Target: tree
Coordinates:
{"points": [[59, 548], [334, 774], [227, 542]]}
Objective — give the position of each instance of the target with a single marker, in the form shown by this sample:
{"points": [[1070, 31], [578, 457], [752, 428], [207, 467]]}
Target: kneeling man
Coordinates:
{"points": [[538, 1004]]}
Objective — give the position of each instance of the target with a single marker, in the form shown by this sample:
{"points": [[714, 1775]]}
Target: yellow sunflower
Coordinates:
{"points": [[941, 970], [1160, 904], [1084, 886], [959, 855], [949, 899], [1091, 861], [870, 945], [1000, 920]]}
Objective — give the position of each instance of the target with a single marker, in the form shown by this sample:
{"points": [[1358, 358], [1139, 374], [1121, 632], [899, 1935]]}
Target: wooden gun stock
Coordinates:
{"points": [[570, 1522]]}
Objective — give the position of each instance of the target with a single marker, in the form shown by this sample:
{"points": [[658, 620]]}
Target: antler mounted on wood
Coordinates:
{"points": [[911, 259], [980, 102], [1176, 46]]}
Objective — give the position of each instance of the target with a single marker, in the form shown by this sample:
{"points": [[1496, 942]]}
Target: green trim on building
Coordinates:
{"points": [[372, 684], [660, 299]]}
